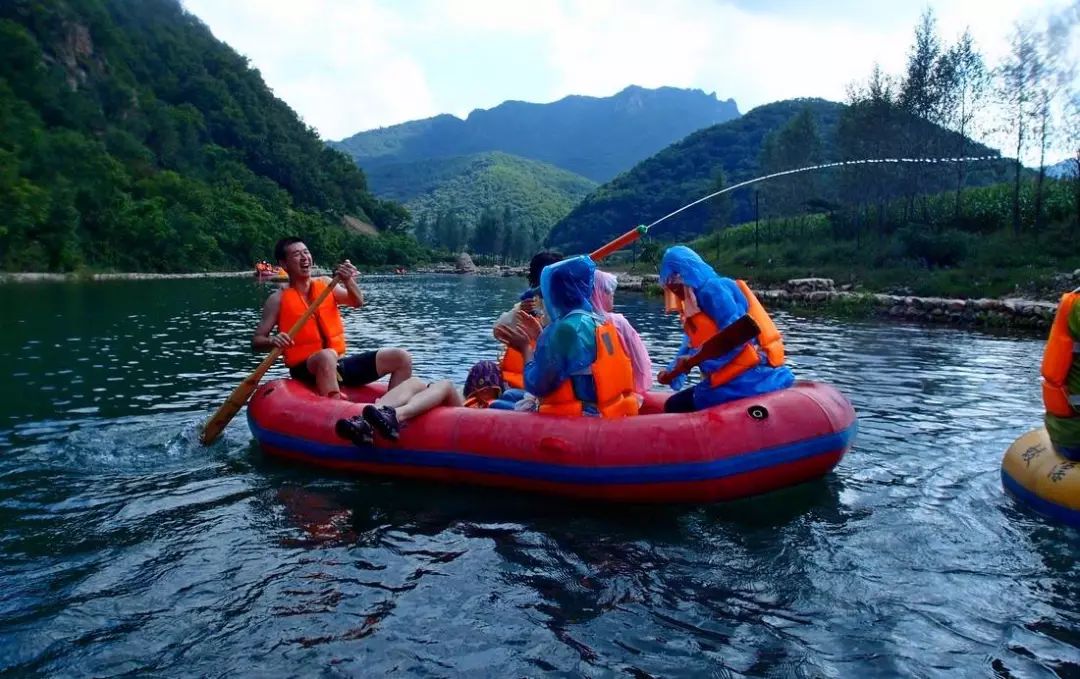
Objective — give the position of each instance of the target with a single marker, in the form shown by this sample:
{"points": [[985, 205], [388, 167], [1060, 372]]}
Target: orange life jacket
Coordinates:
{"points": [[323, 330], [612, 375], [1058, 360], [700, 328], [512, 366]]}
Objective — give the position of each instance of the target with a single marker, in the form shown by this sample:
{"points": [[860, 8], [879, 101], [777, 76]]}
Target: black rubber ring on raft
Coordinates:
{"points": [[758, 412]]}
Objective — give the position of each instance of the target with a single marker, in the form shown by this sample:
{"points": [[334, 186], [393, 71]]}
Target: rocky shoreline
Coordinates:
{"points": [[822, 293]]}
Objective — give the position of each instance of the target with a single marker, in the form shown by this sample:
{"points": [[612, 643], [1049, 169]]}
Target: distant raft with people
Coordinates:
{"points": [[1038, 476], [738, 449], [268, 272]]}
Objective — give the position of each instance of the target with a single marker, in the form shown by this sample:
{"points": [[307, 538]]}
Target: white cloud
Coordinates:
{"points": [[350, 65], [334, 61]]}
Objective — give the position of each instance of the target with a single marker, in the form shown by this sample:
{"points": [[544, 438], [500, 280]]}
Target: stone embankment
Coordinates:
{"points": [[822, 292]]}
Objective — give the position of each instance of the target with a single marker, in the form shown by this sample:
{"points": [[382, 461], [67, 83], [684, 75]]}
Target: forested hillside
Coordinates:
{"points": [[535, 194], [774, 137], [596, 137], [132, 139]]}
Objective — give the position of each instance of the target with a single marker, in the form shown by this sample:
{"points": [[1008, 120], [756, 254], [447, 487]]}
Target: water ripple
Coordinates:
{"points": [[130, 549]]}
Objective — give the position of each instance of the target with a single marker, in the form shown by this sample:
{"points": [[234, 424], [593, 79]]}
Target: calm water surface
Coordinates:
{"points": [[127, 548]]}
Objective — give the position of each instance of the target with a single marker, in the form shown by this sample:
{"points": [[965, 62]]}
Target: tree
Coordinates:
{"points": [[1016, 94], [969, 85], [921, 88]]}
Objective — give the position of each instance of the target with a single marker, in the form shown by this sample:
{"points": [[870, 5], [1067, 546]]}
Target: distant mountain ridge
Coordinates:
{"points": [[596, 137]]}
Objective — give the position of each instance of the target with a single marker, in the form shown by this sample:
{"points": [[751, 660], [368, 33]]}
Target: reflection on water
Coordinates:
{"points": [[128, 548]]}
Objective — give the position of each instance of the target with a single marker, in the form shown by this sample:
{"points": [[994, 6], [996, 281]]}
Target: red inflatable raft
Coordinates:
{"points": [[730, 451]]}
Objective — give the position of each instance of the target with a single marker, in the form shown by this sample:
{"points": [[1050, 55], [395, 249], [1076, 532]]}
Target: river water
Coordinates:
{"points": [[127, 548]]}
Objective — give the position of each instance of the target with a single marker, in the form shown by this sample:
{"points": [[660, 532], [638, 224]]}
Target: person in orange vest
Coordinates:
{"points": [[707, 303], [316, 354], [511, 362], [578, 366], [1061, 378]]}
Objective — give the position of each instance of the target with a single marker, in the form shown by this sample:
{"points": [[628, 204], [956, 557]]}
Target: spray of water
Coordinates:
{"points": [[843, 163]]}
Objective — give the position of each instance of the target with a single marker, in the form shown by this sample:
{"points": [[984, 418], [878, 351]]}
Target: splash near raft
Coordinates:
{"points": [[738, 449], [1039, 477]]}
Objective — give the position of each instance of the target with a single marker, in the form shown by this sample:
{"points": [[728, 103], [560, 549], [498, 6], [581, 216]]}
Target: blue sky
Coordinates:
{"points": [[352, 65]]}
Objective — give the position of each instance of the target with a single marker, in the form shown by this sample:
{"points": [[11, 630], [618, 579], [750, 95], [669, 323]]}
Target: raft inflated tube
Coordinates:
{"points": [[1039, 477], [737, 449]]}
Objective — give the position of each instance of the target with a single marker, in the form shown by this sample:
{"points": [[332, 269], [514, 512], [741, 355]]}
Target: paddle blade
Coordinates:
{"points": [[232, 405]]}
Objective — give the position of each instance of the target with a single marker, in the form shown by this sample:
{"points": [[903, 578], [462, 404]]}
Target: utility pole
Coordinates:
{"points": [[757, 218]]}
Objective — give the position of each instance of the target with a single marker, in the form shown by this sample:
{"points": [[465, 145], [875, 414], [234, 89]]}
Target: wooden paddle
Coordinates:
{"points": [[232, 405], [731, 337]]}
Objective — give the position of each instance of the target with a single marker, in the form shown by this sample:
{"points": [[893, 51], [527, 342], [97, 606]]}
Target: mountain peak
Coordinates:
{"points": [[596, 137]]}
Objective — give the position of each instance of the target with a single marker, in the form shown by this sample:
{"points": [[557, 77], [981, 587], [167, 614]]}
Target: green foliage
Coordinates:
{"points": [[130, 138], [538, 195], [971, 254], [800, 131], [595, 137]]}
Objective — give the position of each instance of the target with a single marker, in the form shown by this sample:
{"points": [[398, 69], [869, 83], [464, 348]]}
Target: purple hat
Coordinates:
{"points": [[482, 375]]}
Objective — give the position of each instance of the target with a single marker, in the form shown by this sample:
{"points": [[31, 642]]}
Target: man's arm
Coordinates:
{"points": [[264, 340], [350, 295]]}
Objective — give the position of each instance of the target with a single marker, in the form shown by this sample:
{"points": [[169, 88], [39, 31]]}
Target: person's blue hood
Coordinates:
{"points": [[567, 286], [691, 268]]}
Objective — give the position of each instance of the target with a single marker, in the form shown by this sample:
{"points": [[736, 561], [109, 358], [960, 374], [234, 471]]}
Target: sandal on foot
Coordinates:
{"points": [[356, 430], [384, 420]]}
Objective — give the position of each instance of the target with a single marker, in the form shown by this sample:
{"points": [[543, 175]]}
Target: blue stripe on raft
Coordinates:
{"points": [[1039, 504], [561, 473]]}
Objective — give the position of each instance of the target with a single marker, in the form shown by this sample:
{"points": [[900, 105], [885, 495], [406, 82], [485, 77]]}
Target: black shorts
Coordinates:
{"points": [[681, 402], [353, 371]]}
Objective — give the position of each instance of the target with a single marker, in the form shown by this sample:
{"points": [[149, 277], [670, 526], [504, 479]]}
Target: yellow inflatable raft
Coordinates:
{"points": [[1036, 475]]}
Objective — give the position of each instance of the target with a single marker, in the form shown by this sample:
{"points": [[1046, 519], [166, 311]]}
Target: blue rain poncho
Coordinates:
{"points": [[724, 302], [566, 349]]}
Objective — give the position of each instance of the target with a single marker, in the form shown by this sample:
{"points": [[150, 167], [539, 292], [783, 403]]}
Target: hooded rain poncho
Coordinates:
{"points": [[566, 349], [603, 301], [721, 299]]}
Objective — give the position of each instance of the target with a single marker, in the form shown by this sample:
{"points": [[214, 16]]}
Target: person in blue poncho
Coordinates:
{"points": [[579, 366], [707, 303]]}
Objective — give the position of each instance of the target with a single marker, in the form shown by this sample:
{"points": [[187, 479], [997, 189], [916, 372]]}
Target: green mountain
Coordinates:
{"points": [[687, 170], [596, 137], [132, 139], [538, 195]]}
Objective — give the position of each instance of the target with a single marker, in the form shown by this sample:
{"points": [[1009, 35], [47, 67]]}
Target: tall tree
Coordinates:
{"points": [[969, 85], [1017, 96], [921, 87]]}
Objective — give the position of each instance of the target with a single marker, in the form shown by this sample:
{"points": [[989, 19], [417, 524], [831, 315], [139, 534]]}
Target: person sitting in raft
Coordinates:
{"points": [[414, 397], [1061, 378], [707, 303], [316, 355], [511, 362], [603, 301], [579, 366]]}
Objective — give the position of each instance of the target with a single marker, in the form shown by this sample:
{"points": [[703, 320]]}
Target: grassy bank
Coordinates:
{"points": [[974, 254]]}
